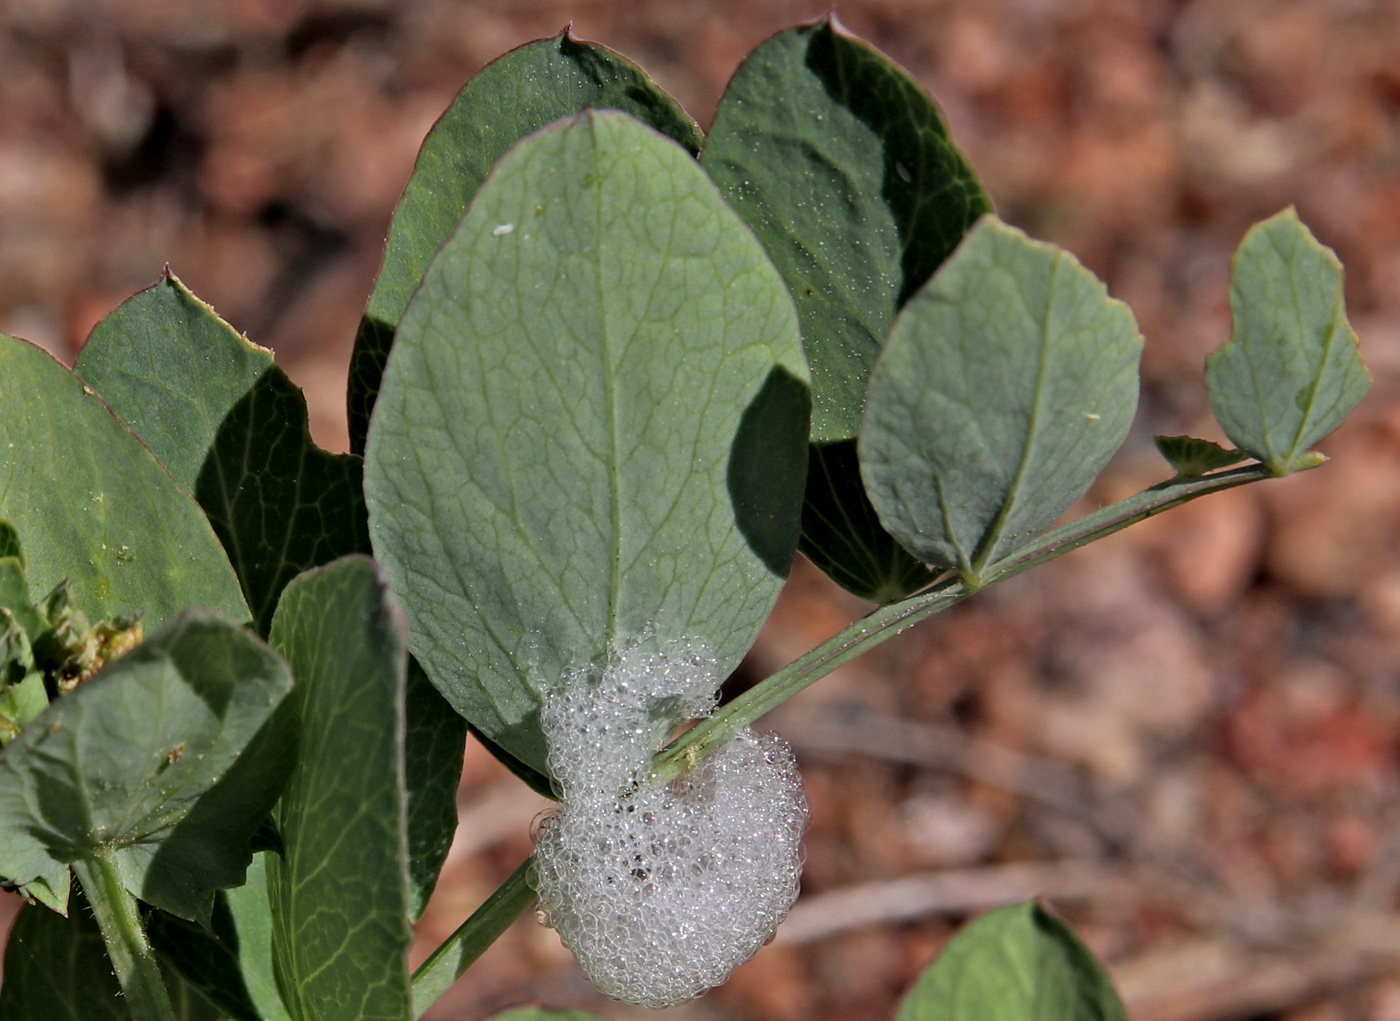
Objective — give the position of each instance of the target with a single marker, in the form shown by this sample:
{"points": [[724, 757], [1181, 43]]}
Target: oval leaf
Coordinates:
{"points": [[145, 763], [90, 503], [339, 890], [508, 99], [1007, 383], [576, 445], [1017, 963], [1292, 370], [844, 168], [232, 429]]}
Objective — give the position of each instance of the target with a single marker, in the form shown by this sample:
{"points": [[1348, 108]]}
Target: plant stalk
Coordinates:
{"points": [[460, 950], [680, 755], [119, 919]]}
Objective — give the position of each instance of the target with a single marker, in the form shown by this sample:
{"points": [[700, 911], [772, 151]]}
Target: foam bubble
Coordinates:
{"points": [[661, 890]]}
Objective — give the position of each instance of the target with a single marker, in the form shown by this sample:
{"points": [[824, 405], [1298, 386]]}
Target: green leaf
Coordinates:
{"points": [[143, 764], [543, 1014], [565, 458], [1191, 456], [339, 893], [251, 923], [1292, 370], [1016, 963], [56, 969], [9, 542], [435, 740], [508, 99], [232, 429], [210, 959], [1007, 383], [93, 505], [843, 167], [14, 596], [842, 534]]}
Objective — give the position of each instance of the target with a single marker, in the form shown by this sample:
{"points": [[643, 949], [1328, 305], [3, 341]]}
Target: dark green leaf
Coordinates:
{"points": [[1292, 369], [843, 166], [559, 465], [14, 596], [842, 534], [9, 542], [93, 505], [1007, 383], [339, 893], [208, 959], [1191, 456], [142, 763], [507, 100], [1016, 963], [232, 430], [56, 969], [435, 740]]}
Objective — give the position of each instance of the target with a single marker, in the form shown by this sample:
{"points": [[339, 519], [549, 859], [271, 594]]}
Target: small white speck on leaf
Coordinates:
{"points": [[1091, 416], [501, 230], [903, 172]]}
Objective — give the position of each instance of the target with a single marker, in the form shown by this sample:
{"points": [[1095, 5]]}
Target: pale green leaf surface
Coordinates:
{"points": [[90, 502], [1016, 963], [1007, 383], [143, 763], [232, 429], [844, 168], [340, 892], [570, 452], [251, 915], [1292, 369], [508, 99]]}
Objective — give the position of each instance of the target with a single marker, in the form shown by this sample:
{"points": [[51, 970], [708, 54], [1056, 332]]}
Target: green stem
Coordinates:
{"points": [[887, 621], [460, 950], [120, 922]]}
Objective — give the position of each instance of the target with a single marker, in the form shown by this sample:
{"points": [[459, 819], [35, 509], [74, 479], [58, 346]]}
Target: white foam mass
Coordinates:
{"points": [[661, 891]]}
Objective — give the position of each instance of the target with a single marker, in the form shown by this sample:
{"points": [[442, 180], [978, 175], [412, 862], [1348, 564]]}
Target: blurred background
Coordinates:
{"points": [[1184, 737]]}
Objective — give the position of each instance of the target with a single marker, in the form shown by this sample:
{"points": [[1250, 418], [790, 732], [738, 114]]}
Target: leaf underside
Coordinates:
{"points": [[1292, 369], [593, 430], [1007, 383]]}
